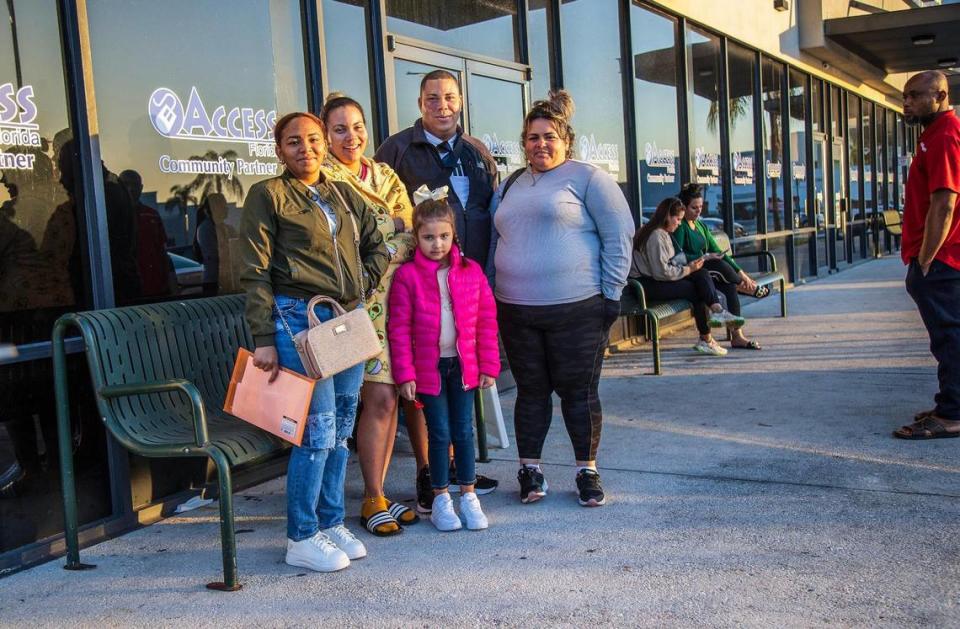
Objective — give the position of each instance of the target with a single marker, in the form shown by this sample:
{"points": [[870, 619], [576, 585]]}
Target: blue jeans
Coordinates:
{"points": [[938, 299], [317, 468], [449, 420]]}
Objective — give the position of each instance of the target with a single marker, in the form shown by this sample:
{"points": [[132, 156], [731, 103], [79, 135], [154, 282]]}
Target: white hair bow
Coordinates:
{"points": [[423, 193]]}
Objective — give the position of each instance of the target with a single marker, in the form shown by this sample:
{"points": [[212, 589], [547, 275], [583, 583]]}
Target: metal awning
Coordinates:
{"points": [[886, 40]]}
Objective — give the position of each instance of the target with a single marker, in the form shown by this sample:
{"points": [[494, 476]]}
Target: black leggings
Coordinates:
{"points": [[557, 348], [697, 288], [728, 284]]}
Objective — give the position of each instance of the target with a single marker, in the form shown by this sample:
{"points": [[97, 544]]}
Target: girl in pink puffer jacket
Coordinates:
{"points": [[442, 331]]}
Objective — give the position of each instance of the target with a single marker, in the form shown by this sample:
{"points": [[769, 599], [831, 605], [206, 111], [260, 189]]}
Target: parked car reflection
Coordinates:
{"points": [[189, 274]]}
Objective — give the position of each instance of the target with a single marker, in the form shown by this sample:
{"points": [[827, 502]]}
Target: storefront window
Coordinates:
{"points": [[742, 67], [855, 156], [347, 60], [592, 70], [803, 215], [486, 28], [187, 97], [654, 67], [869, 135], [890, 160], [903, 159], [703, 97], [538, 20], [42, 275], [771, 77], [184, 136]]}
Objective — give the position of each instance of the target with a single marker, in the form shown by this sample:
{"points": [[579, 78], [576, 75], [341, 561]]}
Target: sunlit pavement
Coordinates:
{"points": [[760, 489]]}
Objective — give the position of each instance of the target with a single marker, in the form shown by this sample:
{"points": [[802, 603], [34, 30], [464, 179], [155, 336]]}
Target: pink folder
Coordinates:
{"points": [[279, 407]]}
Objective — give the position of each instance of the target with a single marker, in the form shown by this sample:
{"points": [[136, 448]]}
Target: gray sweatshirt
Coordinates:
{"points": [[560, 237], [655, 259]]}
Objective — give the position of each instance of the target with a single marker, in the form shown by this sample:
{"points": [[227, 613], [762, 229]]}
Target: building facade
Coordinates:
{"points": [[130, 131]]}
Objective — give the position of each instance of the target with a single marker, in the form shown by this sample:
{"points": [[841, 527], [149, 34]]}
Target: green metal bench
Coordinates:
{"points": [[160, 374], [653, 313]]}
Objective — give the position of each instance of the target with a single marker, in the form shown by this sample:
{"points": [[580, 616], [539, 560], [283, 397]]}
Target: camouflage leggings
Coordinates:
{"points": [[557, 348]]}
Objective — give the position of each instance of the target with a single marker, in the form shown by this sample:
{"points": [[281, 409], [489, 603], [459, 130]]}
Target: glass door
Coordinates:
{"points": [[494, 98]]}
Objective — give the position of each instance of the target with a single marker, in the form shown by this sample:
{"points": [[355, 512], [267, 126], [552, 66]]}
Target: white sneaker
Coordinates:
{"points": [[346, 541], [711, 348], [316, 553], [443, 516], [472, 513], [723, 317]]}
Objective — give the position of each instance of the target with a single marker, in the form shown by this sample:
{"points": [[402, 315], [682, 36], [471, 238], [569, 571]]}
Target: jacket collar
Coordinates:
{"points": [[420, 137], [298, 185], [431, 266]]}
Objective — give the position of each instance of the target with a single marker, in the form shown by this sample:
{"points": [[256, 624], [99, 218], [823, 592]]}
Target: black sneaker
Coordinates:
{"points": [[533, 486], [424, 491], [591, 493], [483, 486]]}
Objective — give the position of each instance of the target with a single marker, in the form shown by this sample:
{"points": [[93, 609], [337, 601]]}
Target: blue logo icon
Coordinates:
{"points": [[166, 112]]}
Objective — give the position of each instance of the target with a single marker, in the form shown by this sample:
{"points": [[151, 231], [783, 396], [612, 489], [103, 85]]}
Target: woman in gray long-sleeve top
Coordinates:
{"points": [[562, 235]]}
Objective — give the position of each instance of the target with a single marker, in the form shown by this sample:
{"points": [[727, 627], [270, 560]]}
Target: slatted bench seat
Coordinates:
{"points": [[160, 374], [653, 313]]}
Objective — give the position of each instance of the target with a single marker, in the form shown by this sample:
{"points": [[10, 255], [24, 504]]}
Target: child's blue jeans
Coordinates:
{"points": [[449, 418]]}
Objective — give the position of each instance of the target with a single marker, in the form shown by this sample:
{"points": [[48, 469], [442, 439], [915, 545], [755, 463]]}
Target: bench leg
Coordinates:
{"points": [[655, 341], [483, 456], [65, 439], [783, 298], [228, 540]]}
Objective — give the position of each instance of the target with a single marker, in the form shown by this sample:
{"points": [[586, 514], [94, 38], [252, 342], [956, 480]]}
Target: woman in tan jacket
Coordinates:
{"points": [[666, 274], [346, 130]]}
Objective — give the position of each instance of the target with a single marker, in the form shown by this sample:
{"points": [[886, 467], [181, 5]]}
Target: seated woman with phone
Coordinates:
{"points": [[665, 274], [693, 237]]}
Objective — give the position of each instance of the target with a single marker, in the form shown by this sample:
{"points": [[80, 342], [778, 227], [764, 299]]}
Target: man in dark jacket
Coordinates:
{"points": [[435, 151]]}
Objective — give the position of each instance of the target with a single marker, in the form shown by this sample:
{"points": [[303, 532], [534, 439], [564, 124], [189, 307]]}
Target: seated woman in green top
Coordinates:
{"points": [[695, 240]]}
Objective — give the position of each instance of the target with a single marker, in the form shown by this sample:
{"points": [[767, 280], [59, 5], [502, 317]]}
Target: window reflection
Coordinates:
{"points": [[598, 120], [772, 75], [42, 275], [655, 90], [703, 96], [182, 139], [538, 18], [486, 28], [742, 148], [347, 59]]}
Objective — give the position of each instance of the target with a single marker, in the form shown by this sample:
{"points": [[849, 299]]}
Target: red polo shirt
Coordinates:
{"points": [[936, 166]]}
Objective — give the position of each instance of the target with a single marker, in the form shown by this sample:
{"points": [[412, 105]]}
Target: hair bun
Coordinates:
{"points": [[332, 96], [561, 102]]}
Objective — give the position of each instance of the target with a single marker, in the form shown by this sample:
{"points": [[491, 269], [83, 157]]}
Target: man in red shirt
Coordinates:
{"points": [[931, 245]]}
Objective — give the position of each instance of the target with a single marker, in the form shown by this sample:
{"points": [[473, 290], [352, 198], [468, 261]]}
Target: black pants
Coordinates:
{"points": [[697, 288], [726, 279], [938, 299], [557, 348]]}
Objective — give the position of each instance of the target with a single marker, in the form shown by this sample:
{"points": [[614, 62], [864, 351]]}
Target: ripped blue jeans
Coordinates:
{"points": [[317, 469]]}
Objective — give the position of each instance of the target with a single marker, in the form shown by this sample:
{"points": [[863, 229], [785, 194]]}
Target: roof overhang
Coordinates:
{"points": [[886, 40]]}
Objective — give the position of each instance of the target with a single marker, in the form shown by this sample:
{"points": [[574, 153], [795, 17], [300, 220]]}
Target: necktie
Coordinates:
{"points": [[447, 157]]}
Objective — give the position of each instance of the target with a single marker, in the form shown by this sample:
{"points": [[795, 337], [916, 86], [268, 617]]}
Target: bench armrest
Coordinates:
{"points": [[637, 289], [164, 386], [758, 254]]}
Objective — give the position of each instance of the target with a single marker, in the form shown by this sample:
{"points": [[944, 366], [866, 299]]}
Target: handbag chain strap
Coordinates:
{"points": [[284, 321]]}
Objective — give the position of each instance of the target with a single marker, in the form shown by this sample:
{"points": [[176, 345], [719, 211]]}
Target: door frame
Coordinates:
{"points": [[463, 63]]}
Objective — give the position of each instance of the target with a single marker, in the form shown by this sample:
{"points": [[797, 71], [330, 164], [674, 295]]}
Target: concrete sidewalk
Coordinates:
{"points": [[761, 489]]}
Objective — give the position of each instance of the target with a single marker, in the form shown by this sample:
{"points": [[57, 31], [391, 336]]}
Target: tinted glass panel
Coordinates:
{"points": [[347, 62], [703, 97], [485, 28], [592, 70], [771, 78], [655, 87], [496, 118], [42, 275], [742, 65], [539, 42], [185, 136]]}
